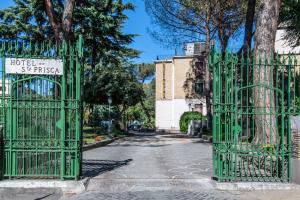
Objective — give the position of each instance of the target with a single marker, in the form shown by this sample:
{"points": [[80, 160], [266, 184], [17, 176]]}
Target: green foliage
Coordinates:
{"points": [[99, 21], [135, 113], [297, 105], [116, 81], [145, 113], [186, 117], [145, 71]]}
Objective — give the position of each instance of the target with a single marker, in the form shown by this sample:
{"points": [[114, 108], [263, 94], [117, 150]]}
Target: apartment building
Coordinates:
{"points": [[179, 86]]}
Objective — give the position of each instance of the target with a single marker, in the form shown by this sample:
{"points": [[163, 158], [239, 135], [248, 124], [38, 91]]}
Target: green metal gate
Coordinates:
{"points": [[41, 109], [253, 100]]}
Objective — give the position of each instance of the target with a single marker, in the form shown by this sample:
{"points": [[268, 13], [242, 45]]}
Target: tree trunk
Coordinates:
{"points": [[224, 43], [62, 30], [67, 18], [249, 25], [56, 26], [266, 27], [207, 89]]}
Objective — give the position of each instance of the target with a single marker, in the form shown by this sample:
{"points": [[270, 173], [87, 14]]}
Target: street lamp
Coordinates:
{"points": [[109, 111]]}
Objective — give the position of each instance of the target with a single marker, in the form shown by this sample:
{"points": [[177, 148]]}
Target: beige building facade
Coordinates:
{"points": [[179, 88], [180, 83]]}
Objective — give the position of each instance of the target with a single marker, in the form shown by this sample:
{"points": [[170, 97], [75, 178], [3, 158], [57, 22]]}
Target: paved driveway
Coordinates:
{"points": [[149, 156], [150, 166]]}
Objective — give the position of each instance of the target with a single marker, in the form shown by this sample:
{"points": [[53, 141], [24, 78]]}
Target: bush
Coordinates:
{"points": [[186, 117], [297, 106]]}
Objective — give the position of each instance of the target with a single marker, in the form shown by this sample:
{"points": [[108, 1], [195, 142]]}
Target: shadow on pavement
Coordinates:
{"points": [[92, 168], [44, 197], [139, 145]]}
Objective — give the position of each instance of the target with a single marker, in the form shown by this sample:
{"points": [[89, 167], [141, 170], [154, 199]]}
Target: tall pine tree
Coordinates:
{"points": [[99, 21]]}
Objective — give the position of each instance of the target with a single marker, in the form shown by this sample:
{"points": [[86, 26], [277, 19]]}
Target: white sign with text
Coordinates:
{"points": [[34, 66]]}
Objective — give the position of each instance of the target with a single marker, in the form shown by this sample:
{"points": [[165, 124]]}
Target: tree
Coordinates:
{"points": [[182, 20], [137, 112], [145, 72], [249, 24], [178, 20], [99, 21], [266, 27], [61, 28], [228, 16], [115, 81]]}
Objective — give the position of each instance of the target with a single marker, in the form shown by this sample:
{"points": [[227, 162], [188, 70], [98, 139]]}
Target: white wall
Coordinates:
{"points": [[168, 112], [281, 46], [163, 113]]}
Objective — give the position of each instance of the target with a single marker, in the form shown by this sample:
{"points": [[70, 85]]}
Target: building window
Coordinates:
{"points": [[199, 88]]}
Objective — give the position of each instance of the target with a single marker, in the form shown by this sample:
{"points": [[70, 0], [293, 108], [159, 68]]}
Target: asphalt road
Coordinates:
{"points": [[150, 166]]}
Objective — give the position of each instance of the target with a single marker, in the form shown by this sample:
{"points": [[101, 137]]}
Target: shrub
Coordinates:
{"points": [[297, 106], [186, 117]]}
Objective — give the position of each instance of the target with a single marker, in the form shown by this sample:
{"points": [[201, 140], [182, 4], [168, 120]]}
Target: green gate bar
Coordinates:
{"points": [[253, 100], [41, 113]]}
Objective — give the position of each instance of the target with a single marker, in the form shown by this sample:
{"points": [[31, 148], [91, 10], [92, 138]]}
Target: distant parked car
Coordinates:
{"points": [[134, 127]]}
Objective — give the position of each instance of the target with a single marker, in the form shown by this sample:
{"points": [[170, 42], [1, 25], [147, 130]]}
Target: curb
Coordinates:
{"points": [[142, 184], [251, 186], [100, 144], [97, 145], [65, 186]]}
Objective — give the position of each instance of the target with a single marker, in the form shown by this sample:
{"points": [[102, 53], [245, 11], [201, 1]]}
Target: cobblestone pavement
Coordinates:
{"points": [[159, 195], [30, 194]]}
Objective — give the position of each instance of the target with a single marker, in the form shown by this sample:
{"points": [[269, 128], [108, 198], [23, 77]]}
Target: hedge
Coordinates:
{"points": [[186, 117]]}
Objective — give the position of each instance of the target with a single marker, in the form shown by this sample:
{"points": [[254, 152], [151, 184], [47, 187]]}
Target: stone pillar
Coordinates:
{"points": [[295, 125]]}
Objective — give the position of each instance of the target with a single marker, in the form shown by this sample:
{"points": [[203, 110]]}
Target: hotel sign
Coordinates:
{"points": [[34, 66]]}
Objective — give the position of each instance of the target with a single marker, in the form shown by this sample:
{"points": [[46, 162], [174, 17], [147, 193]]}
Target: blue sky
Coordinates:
{"points": [[6, 3], [137, 24]]}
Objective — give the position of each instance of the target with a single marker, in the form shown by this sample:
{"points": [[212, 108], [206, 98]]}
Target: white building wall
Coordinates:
{"points": [[181, 106], [282, 46], [163, 113], [168, 112]]}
